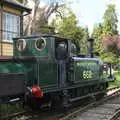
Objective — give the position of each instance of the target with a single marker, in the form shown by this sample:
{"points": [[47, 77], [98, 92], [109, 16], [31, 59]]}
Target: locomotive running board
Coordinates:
{"points": [[82, 97]]}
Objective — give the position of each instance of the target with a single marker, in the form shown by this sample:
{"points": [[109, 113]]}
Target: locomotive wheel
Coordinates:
{"points": [[33, 103], [60, 102], [57, 103], [99, 96]]}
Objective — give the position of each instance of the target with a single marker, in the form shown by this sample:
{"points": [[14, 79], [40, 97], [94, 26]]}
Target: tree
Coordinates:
{"points": [[68, 27], [110, 21], [84, 41], [106, 35], [97, 35], [110, 37], [31, 19], [40, 15], [112, 44]]}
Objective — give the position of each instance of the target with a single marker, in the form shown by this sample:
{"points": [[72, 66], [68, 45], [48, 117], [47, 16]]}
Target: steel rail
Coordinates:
{"points": [[96, 103], [115, 115]]}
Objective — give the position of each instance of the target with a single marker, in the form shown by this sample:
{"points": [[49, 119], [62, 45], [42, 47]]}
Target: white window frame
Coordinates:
{"points": [[10, 27], [43, 47]]}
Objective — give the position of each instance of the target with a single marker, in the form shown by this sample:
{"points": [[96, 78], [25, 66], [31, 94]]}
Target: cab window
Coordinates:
{"points": [[40, 44], [21, 44], [61, 50]]}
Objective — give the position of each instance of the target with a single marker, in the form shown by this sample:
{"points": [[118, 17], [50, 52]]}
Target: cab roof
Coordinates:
{"points": [[40, 35]]}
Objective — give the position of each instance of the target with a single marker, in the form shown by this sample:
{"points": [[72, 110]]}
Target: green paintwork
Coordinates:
{"points": [[11, 71], [11, 67], [47, 72], [30, 49], [43, 69], [86, 70]]}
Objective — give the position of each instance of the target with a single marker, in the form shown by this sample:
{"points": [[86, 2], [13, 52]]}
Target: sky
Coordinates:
{"points": [[90, 12]]}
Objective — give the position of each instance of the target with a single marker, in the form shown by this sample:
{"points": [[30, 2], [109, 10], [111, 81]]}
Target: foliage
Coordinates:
{"points": [[64, 22], [111, 43], [116, 83], [84, 41], [38, 19], [68, 27], [97, 35], [110, 37], [107, 42], [109, 57], [110, 21]]}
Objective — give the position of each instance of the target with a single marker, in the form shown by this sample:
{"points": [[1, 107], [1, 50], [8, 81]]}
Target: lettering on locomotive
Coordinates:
{"points": [[86, 64], [87, 74]]}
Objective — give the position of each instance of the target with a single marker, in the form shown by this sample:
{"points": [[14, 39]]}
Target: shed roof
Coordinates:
{"points": [[41, 35], [16, 4]]}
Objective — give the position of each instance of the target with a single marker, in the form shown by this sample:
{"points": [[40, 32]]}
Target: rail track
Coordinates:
{"points": [[107, 108]]}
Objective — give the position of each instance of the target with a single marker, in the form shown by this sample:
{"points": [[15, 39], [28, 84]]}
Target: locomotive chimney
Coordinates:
{"points": [[90, 47]]}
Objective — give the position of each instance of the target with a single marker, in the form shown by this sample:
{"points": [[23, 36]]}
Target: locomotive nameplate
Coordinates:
{"points": [[86, 70]]}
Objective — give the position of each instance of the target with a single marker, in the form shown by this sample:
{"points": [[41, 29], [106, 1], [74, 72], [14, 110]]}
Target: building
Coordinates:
{"points": [[11, 24]]}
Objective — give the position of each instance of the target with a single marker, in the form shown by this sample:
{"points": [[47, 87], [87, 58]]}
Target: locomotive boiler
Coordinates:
{"points": [[46, 69]]}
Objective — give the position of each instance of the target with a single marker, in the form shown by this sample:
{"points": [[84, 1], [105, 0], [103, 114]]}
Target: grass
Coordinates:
{"points": [[7, 109], [116, 83]]}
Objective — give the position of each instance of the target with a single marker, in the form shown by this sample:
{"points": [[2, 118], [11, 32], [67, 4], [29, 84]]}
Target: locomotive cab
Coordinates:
{"points": [[42, 56]]}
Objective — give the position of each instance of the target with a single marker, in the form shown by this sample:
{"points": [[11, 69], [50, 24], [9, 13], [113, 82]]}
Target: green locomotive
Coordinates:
{"points": [[46, 69]]}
